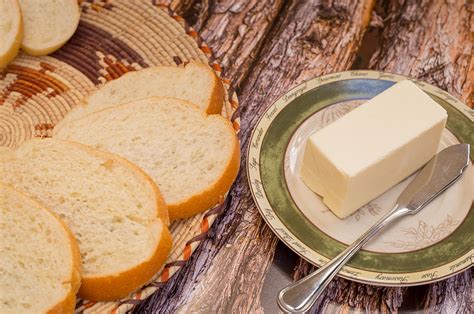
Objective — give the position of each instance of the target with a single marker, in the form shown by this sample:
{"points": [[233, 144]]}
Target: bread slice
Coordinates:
{"points": [[39, 262], [194, 158], [195, 82], [11, 30], [48, 24], [113, 208]]}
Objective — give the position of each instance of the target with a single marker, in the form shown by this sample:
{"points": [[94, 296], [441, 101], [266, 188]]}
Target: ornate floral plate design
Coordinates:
{"points": [[432, 245]]}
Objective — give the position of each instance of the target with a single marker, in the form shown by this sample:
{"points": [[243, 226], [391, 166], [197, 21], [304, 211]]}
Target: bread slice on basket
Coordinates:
{"points": [[39, 261], [196, 83], [193, 157], [48, 24], [114, 209], [11, 30]]}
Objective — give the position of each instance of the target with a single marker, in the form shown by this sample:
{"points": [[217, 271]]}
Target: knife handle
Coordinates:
{"points": [[301, 295]]}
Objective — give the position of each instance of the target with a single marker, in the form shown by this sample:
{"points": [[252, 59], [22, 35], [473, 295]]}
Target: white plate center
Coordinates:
{"points": [[431, 225]]}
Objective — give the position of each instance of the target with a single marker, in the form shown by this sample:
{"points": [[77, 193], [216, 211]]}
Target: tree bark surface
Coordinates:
{"points": [[227, 271], [265, 50], [431, 41]]}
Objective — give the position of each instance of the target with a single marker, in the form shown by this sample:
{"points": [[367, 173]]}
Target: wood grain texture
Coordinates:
{"points": [[453, 295], [324, 40], [308, 39], [343, 294], [430, 40], [313, 38], [268, 48], [236, 31]]}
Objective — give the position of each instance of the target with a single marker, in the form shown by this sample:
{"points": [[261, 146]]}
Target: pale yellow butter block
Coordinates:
{"points": [[372, 148]]}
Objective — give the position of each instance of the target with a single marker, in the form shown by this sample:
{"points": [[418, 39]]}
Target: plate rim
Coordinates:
{"points": [[317, 258], [343, 243]]}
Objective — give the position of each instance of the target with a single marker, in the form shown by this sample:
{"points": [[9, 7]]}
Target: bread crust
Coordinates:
{"points": [[108, 288], [11, 53], [162, 208], [67, 304], [216, 100], [112, 287], [214, 106], [41, 51], [209, 197]]}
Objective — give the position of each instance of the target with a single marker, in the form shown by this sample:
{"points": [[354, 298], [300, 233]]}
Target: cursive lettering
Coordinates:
{"points": [[383, 75], [285, 235], [300, 247], [258, 188], [461, 263], [431, 275], [258, 137], [329, 78], [359, 73], [271, 112], [353, 272], [268, 213], [254, 163], [392, 278], [295, 93]]}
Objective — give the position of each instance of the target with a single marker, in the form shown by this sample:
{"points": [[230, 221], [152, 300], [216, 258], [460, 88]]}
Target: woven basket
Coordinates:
{"points": [[113, 37]]}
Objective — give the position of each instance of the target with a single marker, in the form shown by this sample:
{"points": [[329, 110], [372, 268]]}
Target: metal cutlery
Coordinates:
{"points": [[436, 176]]}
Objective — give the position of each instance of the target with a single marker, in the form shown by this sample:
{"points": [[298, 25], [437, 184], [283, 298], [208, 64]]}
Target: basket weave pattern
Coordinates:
{"points": [[113, 38]]}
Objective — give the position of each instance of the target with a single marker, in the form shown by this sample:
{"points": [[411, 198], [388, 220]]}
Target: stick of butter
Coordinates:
{"points": [[373, 147]]}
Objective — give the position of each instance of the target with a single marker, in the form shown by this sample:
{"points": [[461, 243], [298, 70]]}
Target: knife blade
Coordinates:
{"points": [[437, 175]]}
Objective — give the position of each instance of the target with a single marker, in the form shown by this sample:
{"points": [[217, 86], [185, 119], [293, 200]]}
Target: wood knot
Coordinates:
{"points": [[334, 13], [328, 21]]}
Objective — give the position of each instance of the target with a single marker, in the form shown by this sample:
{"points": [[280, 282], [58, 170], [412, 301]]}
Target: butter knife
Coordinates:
{"points": [[437, 175]]}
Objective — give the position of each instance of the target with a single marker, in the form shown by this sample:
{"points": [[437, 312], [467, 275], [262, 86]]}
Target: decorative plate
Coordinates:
{"points": [[432, 245], [113, 37]]}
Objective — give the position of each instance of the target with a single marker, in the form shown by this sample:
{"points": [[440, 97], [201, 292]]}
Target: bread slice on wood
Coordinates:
{"points": [[48, 24], [11, 30], [196, 83], [113, 208], [194, 158], [39, 262]]}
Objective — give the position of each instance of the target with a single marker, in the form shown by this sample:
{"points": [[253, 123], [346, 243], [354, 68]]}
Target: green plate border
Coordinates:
{"points": [[268, 143]]}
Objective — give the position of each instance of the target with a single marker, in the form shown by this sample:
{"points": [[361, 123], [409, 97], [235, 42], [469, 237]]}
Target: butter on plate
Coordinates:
{"points": [[372, 148]]}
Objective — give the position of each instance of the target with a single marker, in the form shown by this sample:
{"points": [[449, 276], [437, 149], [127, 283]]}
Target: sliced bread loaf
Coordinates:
{"points": [[194, 158], [48, 24], [195, 82], [39, 261], [113, 208], [11, 30]]}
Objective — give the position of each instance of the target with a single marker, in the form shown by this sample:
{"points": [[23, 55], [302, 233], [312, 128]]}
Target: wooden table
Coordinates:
{"points": [[266, 47]]}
